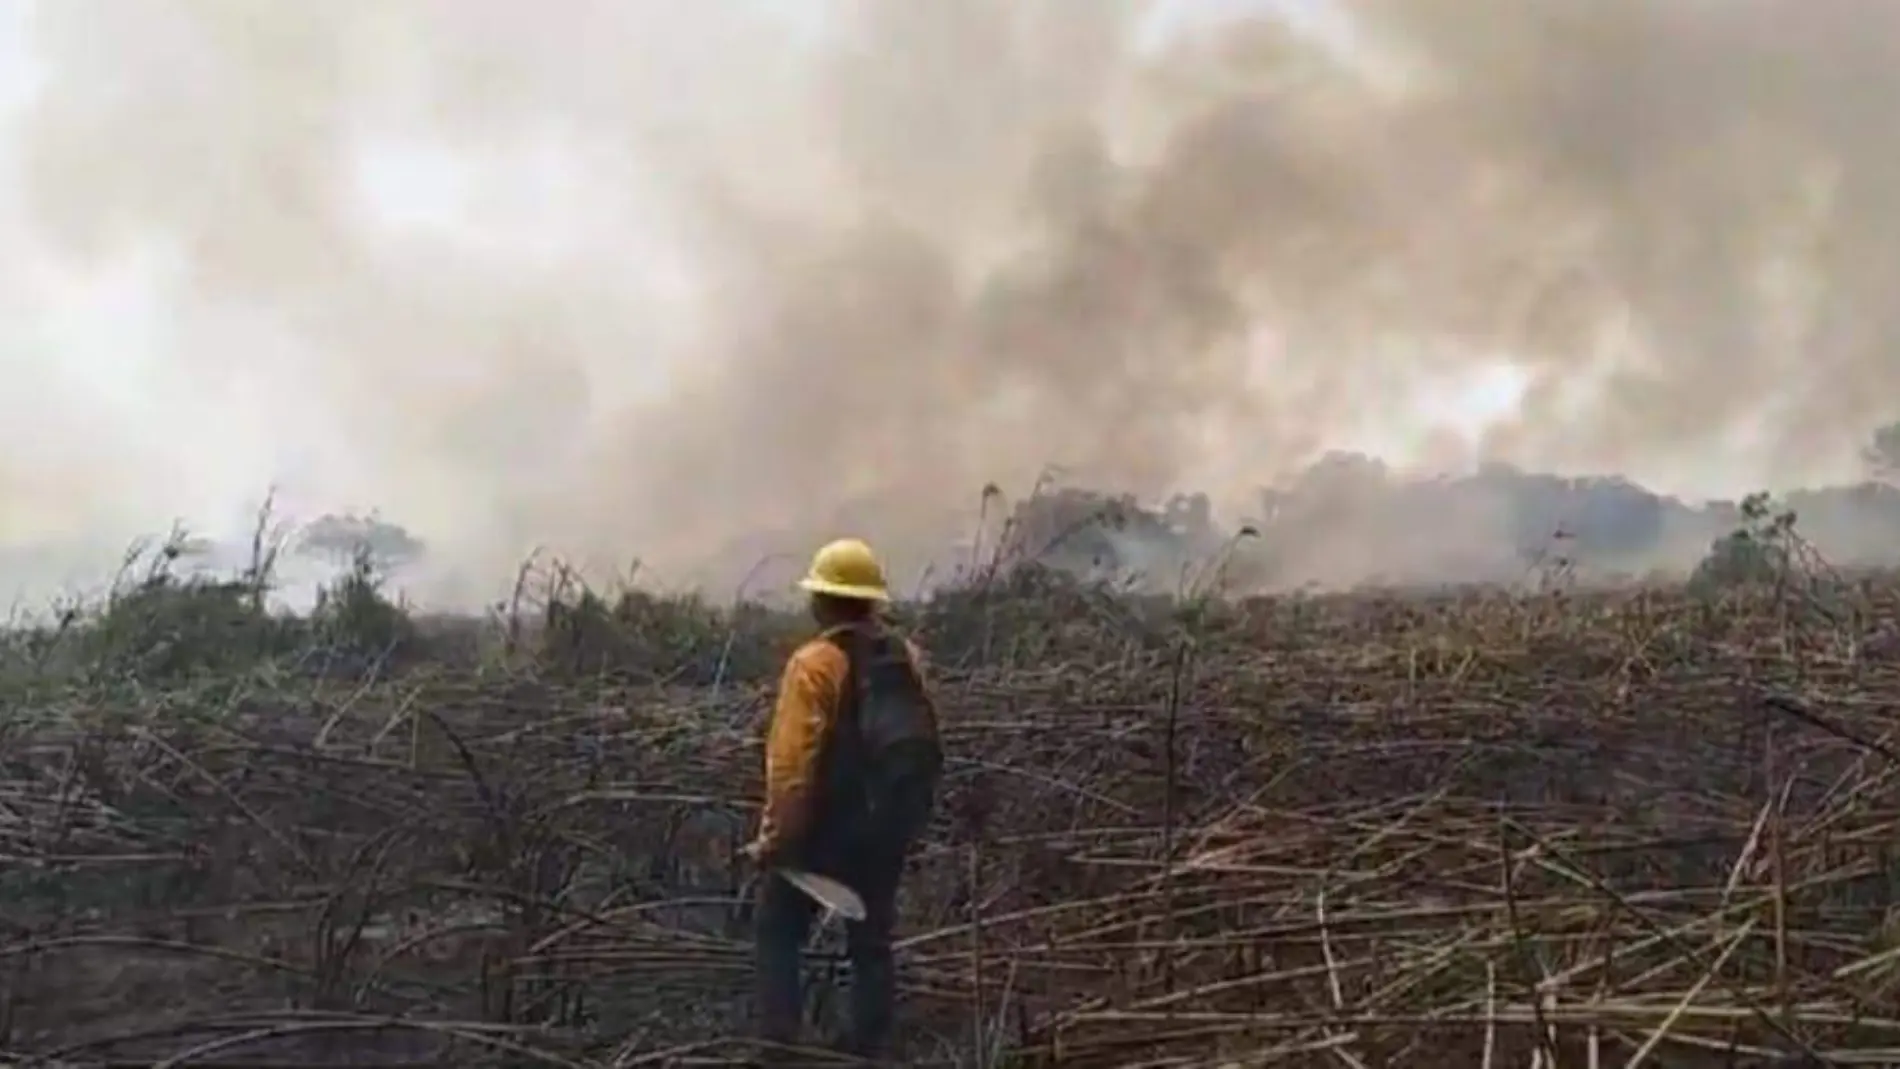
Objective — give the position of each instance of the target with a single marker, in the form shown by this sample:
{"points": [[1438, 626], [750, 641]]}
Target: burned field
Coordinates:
{"points": [[1461, 829]]}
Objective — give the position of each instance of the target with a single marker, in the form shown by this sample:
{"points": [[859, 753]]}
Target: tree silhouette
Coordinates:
{"points": [[349, 538], [1882, 455]]}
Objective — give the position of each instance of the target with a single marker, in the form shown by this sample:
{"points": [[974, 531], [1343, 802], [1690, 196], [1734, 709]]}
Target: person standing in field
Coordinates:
{"points": [[852, 761]]}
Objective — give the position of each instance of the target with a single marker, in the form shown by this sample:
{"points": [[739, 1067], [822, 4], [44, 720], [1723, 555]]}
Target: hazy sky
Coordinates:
{"points": [[597, 275], [119, 433]]}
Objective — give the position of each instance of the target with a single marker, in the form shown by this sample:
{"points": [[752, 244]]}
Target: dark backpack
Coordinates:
{"points": [[891, 756]]}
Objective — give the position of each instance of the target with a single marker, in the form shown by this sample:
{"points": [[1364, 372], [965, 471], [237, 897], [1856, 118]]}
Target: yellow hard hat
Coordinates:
{"points": [[846, 569]]}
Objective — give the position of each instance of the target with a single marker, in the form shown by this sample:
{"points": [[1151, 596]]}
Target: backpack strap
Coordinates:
{"points": [[846, 739], [849, 640]]}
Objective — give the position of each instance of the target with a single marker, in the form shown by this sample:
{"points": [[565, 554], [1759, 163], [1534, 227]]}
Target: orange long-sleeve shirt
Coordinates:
{"points": [[810, 693]]}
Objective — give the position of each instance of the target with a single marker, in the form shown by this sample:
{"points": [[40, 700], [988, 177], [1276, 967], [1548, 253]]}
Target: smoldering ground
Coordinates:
{"points": [[684, 278]]}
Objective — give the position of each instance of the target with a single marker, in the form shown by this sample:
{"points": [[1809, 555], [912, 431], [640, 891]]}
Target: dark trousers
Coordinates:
{"points": [[784, 924], [870, 861]]}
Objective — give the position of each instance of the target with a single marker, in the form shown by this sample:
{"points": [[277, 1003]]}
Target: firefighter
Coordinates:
{"points": [[852, 759]]}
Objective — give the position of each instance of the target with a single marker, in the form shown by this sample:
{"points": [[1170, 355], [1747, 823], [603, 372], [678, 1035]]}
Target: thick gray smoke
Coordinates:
{"points": [[744, 273]]}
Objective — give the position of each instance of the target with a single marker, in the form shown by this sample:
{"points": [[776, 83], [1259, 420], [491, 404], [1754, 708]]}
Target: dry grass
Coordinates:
{"points": [[1471, 829]]}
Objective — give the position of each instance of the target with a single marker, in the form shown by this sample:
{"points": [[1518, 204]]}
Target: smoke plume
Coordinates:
{"points": [[693, 282]]}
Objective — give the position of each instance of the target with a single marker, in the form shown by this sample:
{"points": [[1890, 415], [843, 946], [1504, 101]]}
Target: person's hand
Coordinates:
{"points": [[755, 851]]}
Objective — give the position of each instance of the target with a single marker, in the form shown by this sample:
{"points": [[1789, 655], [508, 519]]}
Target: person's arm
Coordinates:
{"points": [[801, 721]]}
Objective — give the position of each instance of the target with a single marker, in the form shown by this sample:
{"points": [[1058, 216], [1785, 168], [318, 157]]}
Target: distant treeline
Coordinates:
{"points": [[1346, 521], [1349, 520]]}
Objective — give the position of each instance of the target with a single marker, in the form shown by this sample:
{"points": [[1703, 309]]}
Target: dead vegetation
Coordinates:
{"points": [[1474, 828]]}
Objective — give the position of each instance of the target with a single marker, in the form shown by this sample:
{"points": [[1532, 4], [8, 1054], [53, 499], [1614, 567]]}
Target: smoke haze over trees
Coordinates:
{"points": [[688, 283]]}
